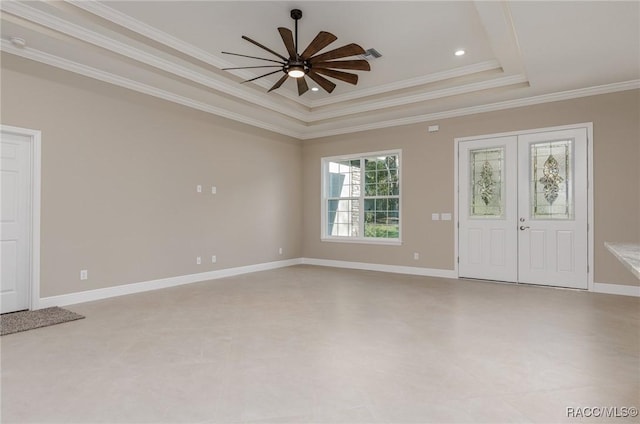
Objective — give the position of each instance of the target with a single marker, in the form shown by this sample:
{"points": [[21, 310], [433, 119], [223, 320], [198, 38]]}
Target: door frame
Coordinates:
{"points": [[35, 164], [456, 187]]}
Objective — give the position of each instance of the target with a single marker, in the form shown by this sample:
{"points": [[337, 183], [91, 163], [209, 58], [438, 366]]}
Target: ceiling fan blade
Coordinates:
{"points": [[253, 57], [322, 40], [252, 67], [264, 47], [344, 51], [279, 83], [287, 38], [359, 65], [342, 76], [327, 85], [261, 76], [302, 86]]}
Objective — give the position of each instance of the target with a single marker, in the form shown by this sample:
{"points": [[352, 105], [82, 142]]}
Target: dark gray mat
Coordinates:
{"points": [[28, 320]]}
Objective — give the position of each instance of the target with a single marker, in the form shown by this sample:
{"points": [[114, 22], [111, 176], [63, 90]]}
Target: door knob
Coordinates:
{"points": [[522, 228]]}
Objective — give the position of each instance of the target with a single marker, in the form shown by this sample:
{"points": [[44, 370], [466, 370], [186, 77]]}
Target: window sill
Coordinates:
{"points": [[394, 242]]}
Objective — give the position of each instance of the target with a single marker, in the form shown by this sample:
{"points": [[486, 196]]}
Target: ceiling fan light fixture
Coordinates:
{"points": [[295, 71]]}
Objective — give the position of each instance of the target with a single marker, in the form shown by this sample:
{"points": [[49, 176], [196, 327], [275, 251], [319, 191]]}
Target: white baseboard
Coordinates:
{"points": [[121, 290], [397, 269], [616, 289]]}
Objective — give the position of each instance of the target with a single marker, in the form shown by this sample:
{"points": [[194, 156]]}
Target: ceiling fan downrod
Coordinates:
{"points": [[296, 14]]}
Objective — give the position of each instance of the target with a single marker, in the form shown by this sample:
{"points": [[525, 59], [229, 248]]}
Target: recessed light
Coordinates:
{"points": [[460, 52], [314, 89]]}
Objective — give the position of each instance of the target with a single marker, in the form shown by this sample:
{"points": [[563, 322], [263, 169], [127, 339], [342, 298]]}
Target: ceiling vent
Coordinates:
{"points": [[371, 54]]}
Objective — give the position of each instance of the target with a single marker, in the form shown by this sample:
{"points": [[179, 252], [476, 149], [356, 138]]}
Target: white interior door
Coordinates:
{"points": [[552, 240], [523, 209], [488, 209], [15, 218]]}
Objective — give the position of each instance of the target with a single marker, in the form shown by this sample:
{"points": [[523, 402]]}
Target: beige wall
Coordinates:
{"points": [[428, 179], [119, 176], [119, 171]]}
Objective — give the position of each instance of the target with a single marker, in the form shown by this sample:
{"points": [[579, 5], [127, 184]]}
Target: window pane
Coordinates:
{"points": [[343, 218], [343, 179]]}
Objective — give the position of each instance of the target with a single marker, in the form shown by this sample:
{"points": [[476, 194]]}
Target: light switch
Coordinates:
{"points": [[214, 190], [446, 216], [435, 217], [199, 188]]}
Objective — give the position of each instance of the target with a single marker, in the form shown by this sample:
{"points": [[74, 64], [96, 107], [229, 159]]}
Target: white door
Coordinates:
{"points": [[552, 203], [15, 218], [488, 209], [523, 208]]}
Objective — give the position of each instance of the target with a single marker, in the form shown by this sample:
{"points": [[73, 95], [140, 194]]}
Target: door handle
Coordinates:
{"points": [[522, 228]]}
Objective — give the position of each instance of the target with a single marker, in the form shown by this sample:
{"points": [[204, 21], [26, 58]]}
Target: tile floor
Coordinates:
{"points": [[311, 344]]}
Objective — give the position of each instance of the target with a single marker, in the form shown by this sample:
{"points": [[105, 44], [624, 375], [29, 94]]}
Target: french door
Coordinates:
{"points": [[523, 208]]}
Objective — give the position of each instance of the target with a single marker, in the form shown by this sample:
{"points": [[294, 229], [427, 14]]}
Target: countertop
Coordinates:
{"points": [[628, 254]]}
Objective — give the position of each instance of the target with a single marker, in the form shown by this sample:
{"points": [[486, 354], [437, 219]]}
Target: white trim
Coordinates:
{"points": [[416, 98], [396, 269], [590, 203], [35, 165], [126, 289], [324, 161], [80, 33], [121, 290], [121, 19], [409, 83], [491, 107], [130, 84], [618, 289]]}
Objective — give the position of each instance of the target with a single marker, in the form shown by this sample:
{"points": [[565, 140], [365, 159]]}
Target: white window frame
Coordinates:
{"points": [[324, 163]]}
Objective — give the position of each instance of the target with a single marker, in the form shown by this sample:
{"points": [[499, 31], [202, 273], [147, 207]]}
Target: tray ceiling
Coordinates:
{"points": [[517, 53]]}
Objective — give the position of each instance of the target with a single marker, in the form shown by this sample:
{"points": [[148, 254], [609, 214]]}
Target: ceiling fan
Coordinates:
{"points": [[309, 63]]}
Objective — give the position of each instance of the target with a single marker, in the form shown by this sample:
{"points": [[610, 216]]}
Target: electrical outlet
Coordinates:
{"points": [[416, 256], [214, 190], [84, 274], [214, 259], [198, 260], [280, 251]]}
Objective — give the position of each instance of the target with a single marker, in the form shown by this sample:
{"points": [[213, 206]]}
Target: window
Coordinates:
{"points": [[361, 198]]}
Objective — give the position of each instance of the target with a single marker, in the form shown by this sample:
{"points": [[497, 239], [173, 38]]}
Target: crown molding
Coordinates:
{"points": [[421, 97], [305, 132], [80, 33], [87, 71], [409, 83], [508, 104], [118, 18]]}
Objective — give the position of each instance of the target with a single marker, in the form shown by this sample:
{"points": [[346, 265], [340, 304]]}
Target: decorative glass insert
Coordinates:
{"points": [[487, 181], [362, 195], [551, 180]]}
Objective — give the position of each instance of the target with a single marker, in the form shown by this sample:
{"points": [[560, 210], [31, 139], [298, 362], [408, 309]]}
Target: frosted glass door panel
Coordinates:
{"points": [[551, 180], [487, 182]]}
